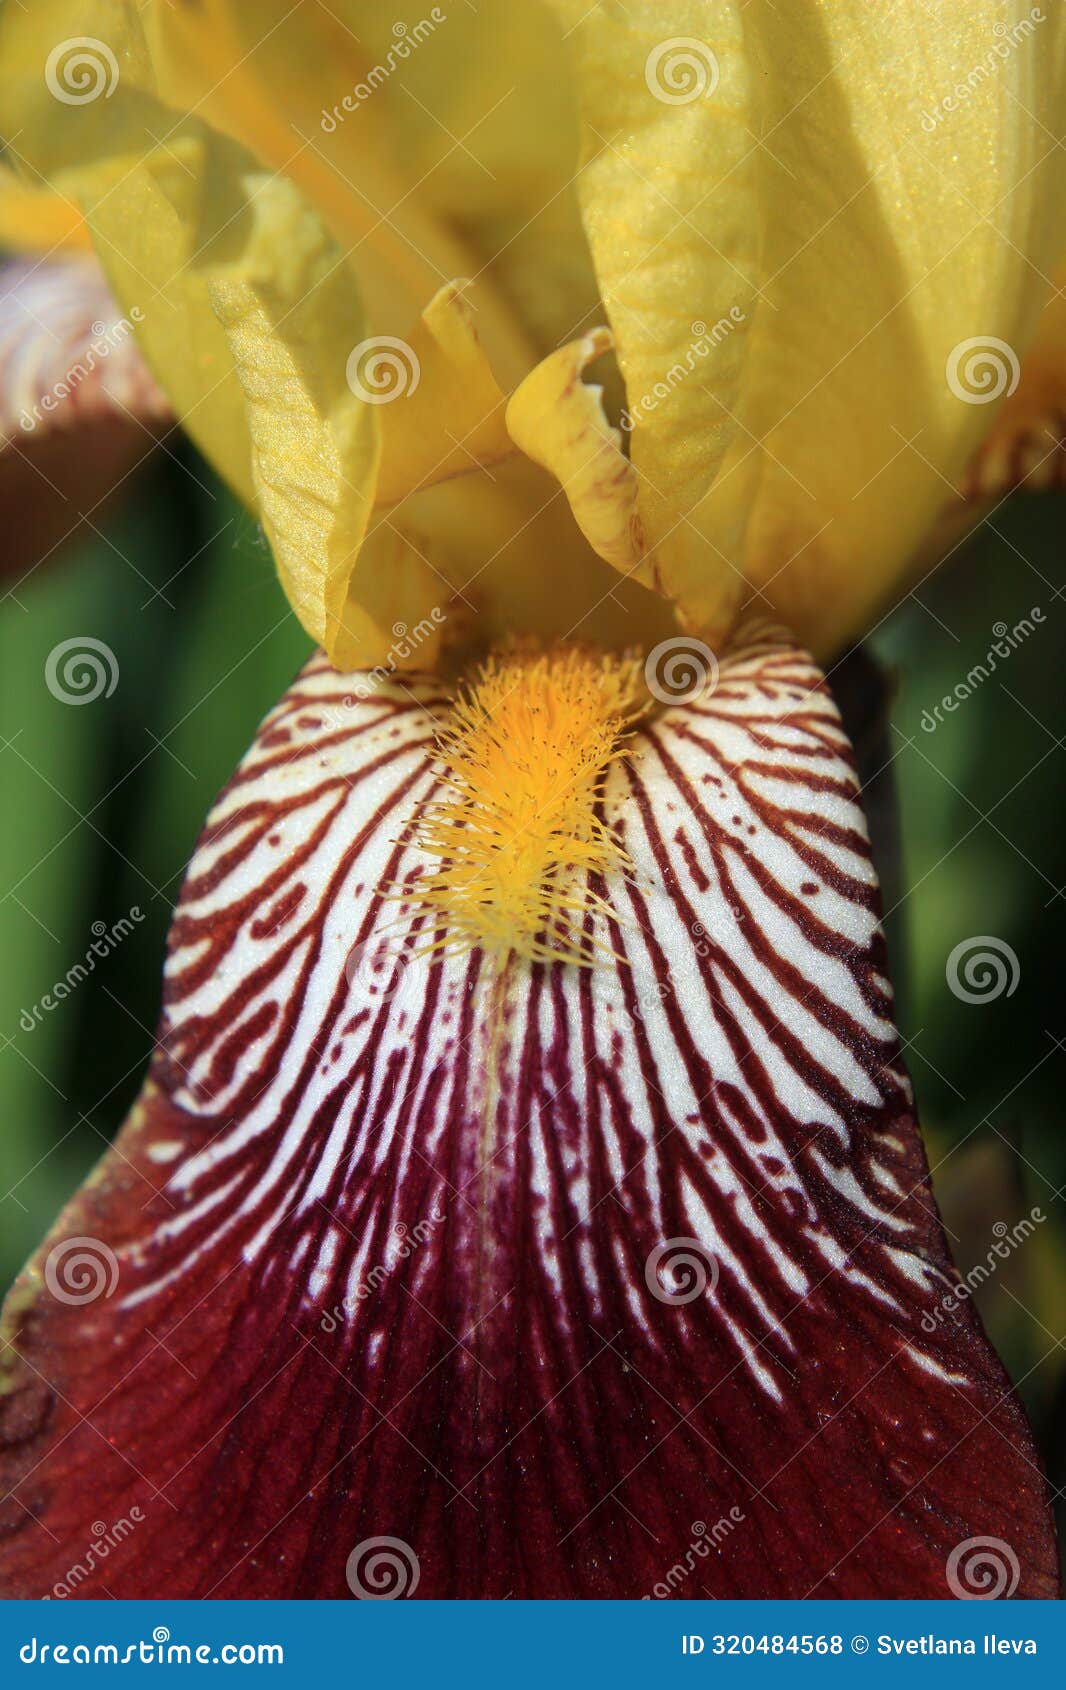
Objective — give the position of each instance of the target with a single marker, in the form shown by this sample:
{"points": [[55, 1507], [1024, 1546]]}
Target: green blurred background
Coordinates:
{"points": [[102, 804]]}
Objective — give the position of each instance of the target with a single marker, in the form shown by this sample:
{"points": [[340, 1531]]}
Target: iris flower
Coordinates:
{"points": [[526, 1196]]}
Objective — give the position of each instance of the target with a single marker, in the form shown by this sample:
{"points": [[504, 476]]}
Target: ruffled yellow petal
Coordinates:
{"points": [[78, 90], [442, 410], [258, 75], [558, 420], [288, 306], [797, 220]]}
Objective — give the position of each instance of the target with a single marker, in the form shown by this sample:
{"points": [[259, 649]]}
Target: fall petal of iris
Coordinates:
{"points": [[546, 1276], [78, 408]]}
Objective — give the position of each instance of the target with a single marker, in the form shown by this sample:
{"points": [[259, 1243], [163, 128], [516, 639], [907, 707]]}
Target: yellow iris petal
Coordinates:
{"points": [[800, 227], [797, 219], [38, 219], [559, 421], [78, 91]]}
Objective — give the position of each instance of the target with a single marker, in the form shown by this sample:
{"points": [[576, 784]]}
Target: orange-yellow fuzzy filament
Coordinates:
{"points": [[516, 835]]}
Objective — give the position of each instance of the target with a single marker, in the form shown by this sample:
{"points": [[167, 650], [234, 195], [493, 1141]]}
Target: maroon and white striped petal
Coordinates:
{"points": [[609, 1281], [78, 408]]}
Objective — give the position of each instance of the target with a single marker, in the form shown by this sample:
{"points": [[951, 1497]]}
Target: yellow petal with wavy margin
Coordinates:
{"points": [[870, 189], [442, 409], [78, 102], [315, 442], [558, 420]]}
